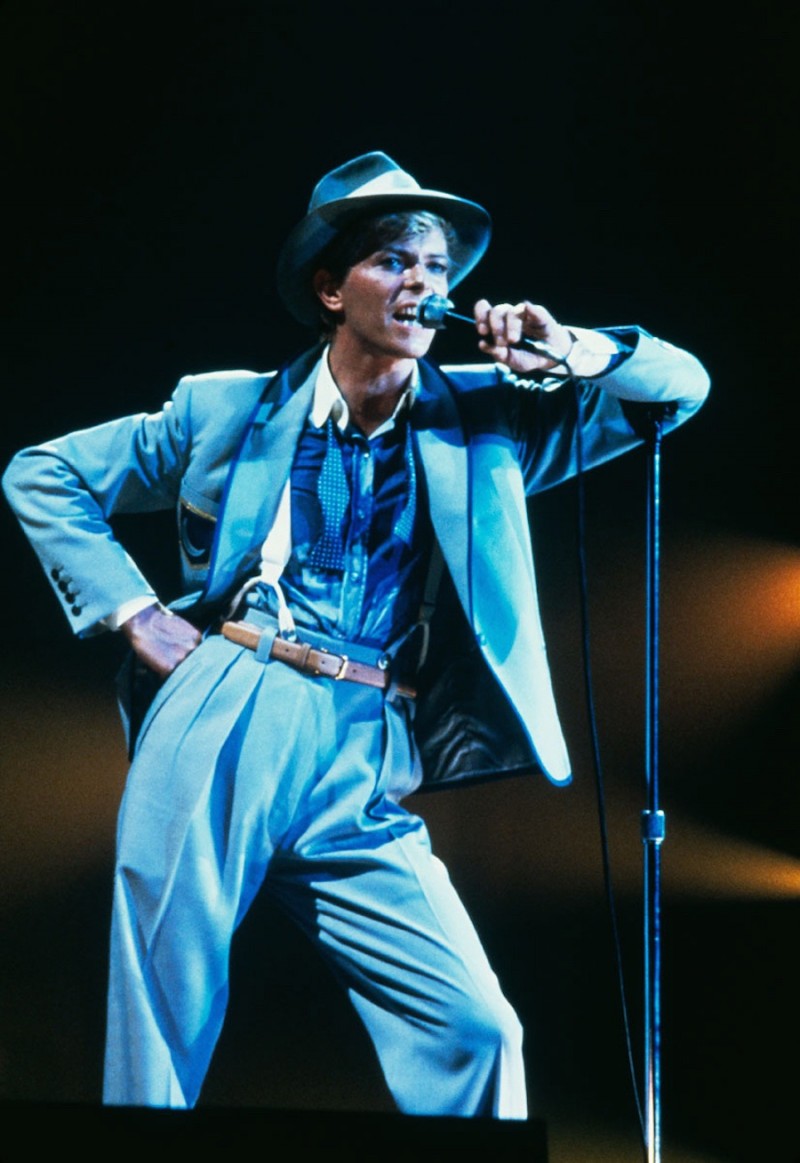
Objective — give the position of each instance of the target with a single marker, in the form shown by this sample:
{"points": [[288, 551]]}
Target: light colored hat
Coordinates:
{"points": [[370, 184]]}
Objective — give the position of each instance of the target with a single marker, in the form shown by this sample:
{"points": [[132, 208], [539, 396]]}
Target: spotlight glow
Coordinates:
{"points": [[702, 863]]}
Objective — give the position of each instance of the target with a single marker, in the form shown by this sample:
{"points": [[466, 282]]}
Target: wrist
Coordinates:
{"points": [[128, 610]]}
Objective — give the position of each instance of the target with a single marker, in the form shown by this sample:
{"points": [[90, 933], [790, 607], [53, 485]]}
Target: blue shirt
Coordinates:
{"points": [[372, 593]]}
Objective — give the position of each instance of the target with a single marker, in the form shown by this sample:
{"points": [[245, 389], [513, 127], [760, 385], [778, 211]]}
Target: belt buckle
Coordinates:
{"points": [[344, 663]]}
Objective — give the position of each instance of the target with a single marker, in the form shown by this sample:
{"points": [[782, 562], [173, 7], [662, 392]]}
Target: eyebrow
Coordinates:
{"points": [[406, 252]]}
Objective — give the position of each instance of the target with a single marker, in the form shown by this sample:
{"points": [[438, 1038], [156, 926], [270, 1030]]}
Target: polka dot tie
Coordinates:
{"points": [[334, 497]]}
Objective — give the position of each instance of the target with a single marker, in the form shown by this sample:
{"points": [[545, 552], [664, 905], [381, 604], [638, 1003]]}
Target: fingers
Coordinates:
{"points": [[160, 639], [502, 326], [507, 323]]}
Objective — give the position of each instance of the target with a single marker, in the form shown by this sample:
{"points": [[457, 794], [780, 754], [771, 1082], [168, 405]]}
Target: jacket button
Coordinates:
{"points": [[480, 639], [55, 572], [77, 610]]}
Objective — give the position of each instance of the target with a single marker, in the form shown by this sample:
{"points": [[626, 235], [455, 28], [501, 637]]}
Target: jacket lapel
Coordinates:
{"points": [[258, 474], [445, 459], [264, 461]]}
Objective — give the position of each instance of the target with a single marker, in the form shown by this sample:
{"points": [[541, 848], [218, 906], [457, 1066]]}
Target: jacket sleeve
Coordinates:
{"points": [[65, 491], [586, 422]]}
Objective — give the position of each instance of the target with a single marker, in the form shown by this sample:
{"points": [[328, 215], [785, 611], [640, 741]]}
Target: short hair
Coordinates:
{"points": [[366, 235]]}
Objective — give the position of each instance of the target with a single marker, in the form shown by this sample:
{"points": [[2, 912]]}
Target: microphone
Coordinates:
{"points": [[432, 310]]}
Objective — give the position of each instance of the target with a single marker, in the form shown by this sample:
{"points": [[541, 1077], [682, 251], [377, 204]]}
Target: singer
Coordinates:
{"points": [[359, 618]]}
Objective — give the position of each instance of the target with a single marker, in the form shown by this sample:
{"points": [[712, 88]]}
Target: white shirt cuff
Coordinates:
{"points": [[126, 611], [591, 353]]}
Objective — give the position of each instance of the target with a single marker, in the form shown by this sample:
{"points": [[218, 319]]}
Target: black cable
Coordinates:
{"points": [[598, 768], [431, 313]]}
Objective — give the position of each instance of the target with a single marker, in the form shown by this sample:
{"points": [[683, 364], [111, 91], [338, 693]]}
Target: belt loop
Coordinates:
{"points": [[314, 657], [265, 641]]}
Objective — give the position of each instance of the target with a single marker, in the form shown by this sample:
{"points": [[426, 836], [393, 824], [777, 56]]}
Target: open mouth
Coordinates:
{"points": [[407, 316]]}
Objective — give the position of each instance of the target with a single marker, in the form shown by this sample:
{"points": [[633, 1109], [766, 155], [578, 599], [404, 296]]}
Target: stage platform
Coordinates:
{"points": [[28, 1127]]}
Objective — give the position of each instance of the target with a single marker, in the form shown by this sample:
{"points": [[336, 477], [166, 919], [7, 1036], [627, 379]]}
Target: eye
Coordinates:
{"points": [[390, 262], [438, 266]]}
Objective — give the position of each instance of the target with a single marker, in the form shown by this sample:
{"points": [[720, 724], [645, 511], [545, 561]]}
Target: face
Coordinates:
{"points": [[377, 300]]}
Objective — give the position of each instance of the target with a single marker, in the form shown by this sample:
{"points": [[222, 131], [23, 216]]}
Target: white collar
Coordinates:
{"points": [[329, 401]]}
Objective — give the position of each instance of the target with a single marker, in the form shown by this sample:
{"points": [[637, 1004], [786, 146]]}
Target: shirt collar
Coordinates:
{"points": [[329, 401]]}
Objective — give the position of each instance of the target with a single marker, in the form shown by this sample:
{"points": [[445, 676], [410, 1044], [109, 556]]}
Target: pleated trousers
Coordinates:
{"points": [[251, 777]]}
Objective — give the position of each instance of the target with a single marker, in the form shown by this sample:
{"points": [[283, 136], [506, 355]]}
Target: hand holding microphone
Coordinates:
{"points": [[523, 336]]}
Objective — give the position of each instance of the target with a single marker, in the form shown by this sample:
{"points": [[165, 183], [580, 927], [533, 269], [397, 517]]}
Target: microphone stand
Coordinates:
{"points": [[432, 312], [653, 818]]}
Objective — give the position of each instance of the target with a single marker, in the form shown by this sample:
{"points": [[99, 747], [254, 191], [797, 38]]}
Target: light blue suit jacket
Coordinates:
{"points": [[220, 453]]}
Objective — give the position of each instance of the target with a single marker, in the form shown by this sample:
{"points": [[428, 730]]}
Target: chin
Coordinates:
{"points": [[415, 345]]}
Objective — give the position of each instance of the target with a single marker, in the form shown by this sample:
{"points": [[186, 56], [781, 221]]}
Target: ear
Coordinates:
{"points": [[328, 290]]}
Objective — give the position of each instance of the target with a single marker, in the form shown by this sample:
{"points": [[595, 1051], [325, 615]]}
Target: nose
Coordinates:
{"points": [[415, 275]]}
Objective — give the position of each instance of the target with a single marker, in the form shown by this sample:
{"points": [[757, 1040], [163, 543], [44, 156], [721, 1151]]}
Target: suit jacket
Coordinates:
{"points": [[221, 450]]}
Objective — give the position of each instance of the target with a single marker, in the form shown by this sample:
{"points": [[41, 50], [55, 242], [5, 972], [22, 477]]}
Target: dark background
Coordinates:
{"points": [[638, 160]]}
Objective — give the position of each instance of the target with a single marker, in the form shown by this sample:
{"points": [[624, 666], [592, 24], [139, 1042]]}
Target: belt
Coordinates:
{"points": [[316, 661]]}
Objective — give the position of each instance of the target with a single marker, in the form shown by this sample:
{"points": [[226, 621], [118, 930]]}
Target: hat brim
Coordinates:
{"points": [[299, 257]]}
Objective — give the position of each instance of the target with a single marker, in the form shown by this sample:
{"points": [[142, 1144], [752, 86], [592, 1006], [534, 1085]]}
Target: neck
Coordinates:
{"points": [[371, 385]]}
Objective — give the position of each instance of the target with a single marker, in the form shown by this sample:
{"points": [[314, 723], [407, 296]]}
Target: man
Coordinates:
{"points": [[359, 616]]}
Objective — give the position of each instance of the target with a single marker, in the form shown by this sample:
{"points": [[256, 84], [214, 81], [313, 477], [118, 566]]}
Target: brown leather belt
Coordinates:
{"points": [[317, 662]]}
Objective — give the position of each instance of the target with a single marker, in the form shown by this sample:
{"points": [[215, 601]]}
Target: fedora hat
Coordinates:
{"points": [[370, 184]]}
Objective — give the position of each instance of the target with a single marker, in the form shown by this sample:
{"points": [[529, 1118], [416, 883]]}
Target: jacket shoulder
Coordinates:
{"points": [[472, 372], [467, 377], [472, 377], [219, 381], [239, 375], [216, 395]]}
